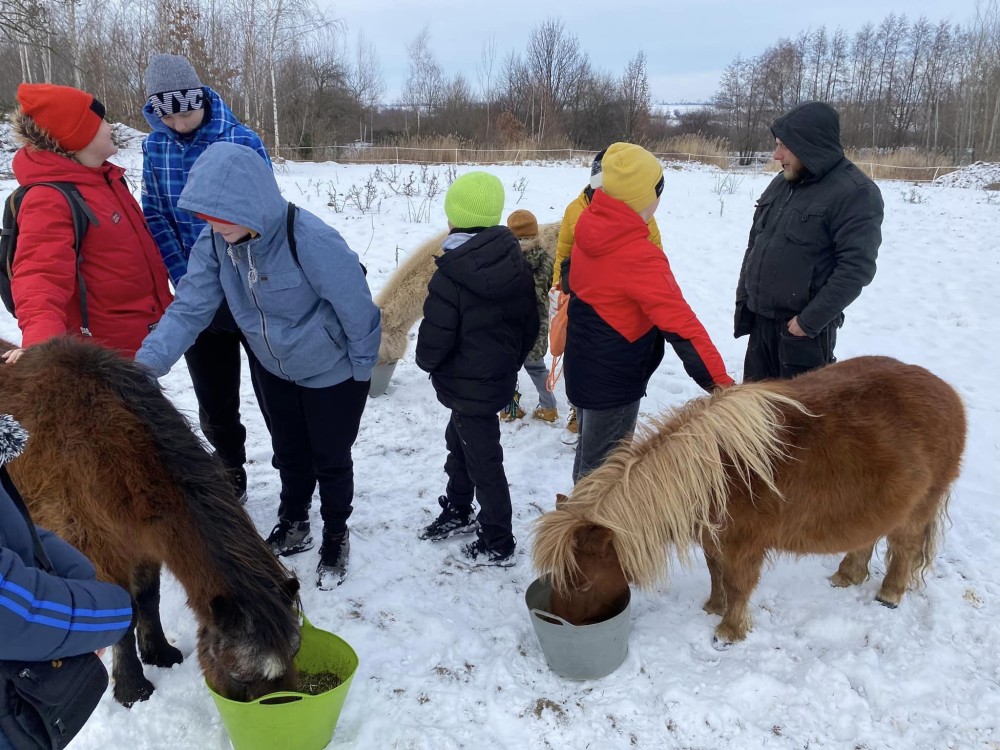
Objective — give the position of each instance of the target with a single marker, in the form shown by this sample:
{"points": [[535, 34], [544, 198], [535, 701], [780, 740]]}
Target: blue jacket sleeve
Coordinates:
{"points": [[67, 560], [44, 616], [156, 209], [198, 297]]}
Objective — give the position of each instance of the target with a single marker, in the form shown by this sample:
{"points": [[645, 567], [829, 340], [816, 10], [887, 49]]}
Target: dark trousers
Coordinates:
{"points": [[773, 352], [475, 466], [601, 430], [312, 433], [214, 365]]}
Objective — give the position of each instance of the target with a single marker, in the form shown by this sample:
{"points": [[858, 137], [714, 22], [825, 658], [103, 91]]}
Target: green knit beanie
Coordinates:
{"points": [[474, 200]]}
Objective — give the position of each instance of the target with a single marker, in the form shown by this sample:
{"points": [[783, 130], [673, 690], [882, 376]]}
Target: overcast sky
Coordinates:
{"points": [[687, 45]]}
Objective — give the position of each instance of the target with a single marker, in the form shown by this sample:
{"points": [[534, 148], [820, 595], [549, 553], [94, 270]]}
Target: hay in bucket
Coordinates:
{"points": [[296, 720]]}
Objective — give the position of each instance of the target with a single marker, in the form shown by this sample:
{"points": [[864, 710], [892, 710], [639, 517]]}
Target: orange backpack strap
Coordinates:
{"points": [[557, 339]]}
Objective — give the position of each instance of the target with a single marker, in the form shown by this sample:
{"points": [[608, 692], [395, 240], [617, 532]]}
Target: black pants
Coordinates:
{"points": [[475, 466], [214, 365], [312, 433], [773, 352]]}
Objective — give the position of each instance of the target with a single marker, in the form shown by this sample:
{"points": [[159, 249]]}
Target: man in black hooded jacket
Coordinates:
{"points": [[813, 245]]}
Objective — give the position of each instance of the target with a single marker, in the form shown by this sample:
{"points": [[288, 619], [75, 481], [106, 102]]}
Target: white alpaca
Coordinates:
{"points": [[402, 298]]}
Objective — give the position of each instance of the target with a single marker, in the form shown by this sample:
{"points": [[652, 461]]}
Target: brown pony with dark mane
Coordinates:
{"points": [[830, 461], [112, 467]]}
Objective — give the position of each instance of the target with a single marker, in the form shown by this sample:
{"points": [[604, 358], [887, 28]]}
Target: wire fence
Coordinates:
{"points": [[370, 154]]}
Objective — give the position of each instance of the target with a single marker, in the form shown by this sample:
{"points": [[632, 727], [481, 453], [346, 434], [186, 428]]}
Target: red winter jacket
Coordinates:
{"points": [[624, 304], [127, 283]]}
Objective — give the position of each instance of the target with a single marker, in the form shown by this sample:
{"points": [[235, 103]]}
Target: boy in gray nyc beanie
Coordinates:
{"points": [[172, 85]]}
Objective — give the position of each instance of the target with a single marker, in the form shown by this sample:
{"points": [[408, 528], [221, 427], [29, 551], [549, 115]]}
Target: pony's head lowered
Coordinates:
{"points": [[662, 491]]}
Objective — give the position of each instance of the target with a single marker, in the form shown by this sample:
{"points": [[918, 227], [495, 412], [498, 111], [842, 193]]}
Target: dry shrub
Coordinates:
{"points": [[455, 150], [695, 147], [909, 164]]}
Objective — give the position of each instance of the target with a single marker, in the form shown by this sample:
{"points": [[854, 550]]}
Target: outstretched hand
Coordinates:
{"points": [[10, 357]]}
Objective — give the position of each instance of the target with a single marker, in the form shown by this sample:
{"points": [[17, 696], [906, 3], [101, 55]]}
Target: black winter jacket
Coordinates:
{"points": [[480, 322], [814, 242]]}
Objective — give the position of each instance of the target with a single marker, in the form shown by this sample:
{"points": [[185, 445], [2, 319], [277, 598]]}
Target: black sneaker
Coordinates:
{"points": [[333, 554], [290, 538], [453, 520], [501, 555]]}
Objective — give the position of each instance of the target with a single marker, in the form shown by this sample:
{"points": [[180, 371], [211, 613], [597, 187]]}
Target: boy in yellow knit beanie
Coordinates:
{"points": [[624, 304], [480, 323]]}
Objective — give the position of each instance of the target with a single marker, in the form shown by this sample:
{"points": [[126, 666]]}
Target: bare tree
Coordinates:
{"points": [[365, 79], [424, 82], [635, 98], [486, 73]]}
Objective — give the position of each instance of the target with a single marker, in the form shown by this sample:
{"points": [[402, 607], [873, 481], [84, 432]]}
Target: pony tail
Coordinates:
{"points": [[553, 550]]}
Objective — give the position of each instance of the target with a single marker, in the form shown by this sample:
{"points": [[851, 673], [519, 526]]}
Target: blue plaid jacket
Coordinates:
{"points": [[167, 159]]}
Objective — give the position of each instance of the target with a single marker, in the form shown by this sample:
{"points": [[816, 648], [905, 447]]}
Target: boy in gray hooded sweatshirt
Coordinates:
{"points": [[299, 295]]}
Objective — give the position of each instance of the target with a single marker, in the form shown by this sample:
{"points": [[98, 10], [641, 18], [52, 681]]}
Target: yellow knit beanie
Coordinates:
{"points": [[632, 175], [474, 200]]}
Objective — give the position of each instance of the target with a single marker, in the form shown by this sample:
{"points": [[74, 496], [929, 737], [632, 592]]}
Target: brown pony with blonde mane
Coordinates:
{"points": [[828, 462], [113, 468]]}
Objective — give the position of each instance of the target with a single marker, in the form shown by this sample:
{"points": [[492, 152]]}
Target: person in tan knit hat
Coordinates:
{"points": [[524, 226]]}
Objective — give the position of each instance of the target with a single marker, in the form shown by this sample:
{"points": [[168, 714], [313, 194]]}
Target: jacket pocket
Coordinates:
{"points": [[800, 353], [806, 226]]}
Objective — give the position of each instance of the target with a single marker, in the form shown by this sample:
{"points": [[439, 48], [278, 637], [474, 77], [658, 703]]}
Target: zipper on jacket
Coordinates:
{"points": [[774, 228], [263, 321]]}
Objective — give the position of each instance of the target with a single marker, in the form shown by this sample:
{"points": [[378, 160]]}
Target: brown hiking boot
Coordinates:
{"points": [[545, 414]]}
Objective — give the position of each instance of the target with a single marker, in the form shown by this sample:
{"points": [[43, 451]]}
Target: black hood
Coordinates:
{"points": [[811, 131], [489, 264]]}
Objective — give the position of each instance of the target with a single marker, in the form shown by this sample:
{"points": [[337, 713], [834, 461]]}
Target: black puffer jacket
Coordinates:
{"points": [[480, 322], [814, 242]]}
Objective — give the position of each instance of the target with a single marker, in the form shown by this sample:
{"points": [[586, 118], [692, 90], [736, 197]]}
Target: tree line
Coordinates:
{"points": [[290, 71]]}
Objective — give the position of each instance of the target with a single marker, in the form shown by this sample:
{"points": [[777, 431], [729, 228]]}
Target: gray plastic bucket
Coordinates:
{"points": [[380, 379], [577, 652]]}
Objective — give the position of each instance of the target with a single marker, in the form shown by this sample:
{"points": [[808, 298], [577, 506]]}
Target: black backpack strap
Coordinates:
{"points": [[8, 484], [290, 232], [83, 217]]}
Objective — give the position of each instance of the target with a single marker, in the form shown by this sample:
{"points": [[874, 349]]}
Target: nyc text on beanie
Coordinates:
{"points": [[72, 117], [523, 224], [172, 85], [632, 175], [474, 200]]}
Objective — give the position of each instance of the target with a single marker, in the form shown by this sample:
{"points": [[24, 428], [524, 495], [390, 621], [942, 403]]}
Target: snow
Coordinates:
{"points": [[448, 656]]}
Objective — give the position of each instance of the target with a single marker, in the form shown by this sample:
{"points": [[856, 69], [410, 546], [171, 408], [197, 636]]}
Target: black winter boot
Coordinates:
{"points": [[333, 555], [453, 520]]}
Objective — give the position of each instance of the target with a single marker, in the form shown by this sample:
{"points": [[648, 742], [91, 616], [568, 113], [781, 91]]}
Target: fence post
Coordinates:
{"points": [[397, 154]]}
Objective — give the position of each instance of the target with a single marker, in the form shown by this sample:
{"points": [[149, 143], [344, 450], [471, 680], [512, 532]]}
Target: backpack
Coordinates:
{"points": [[290, 231], [83, 217], [557, 337]]}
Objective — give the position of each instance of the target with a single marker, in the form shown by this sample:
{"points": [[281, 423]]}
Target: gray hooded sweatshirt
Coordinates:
{"points": [[310, 321]]}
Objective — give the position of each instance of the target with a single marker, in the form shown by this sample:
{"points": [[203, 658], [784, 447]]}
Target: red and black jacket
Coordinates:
{"points": [[625, 303]]}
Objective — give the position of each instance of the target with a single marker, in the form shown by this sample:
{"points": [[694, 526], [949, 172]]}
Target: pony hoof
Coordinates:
{"points": [[129, 696], [886, 602], [720, 645]]}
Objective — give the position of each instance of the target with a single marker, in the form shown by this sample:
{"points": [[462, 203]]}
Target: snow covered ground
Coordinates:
{"points": [[448, 656]]}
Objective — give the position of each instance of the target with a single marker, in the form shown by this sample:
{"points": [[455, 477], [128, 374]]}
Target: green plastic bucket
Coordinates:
{"points": [[295, 721], [577, 652]]}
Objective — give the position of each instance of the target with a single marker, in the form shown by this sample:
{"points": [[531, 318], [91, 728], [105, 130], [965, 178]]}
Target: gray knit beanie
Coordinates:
{"points": [[170, 73]]}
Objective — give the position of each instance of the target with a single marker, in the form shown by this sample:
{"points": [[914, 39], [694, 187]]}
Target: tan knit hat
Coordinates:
{"points": [[523, 224]]}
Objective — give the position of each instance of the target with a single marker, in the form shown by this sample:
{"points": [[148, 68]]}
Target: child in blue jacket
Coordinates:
{"points": [[45, 615], [309, 318]]}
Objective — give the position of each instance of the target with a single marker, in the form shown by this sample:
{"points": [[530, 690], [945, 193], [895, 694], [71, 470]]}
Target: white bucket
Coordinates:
{"points": [[578, 652]]}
